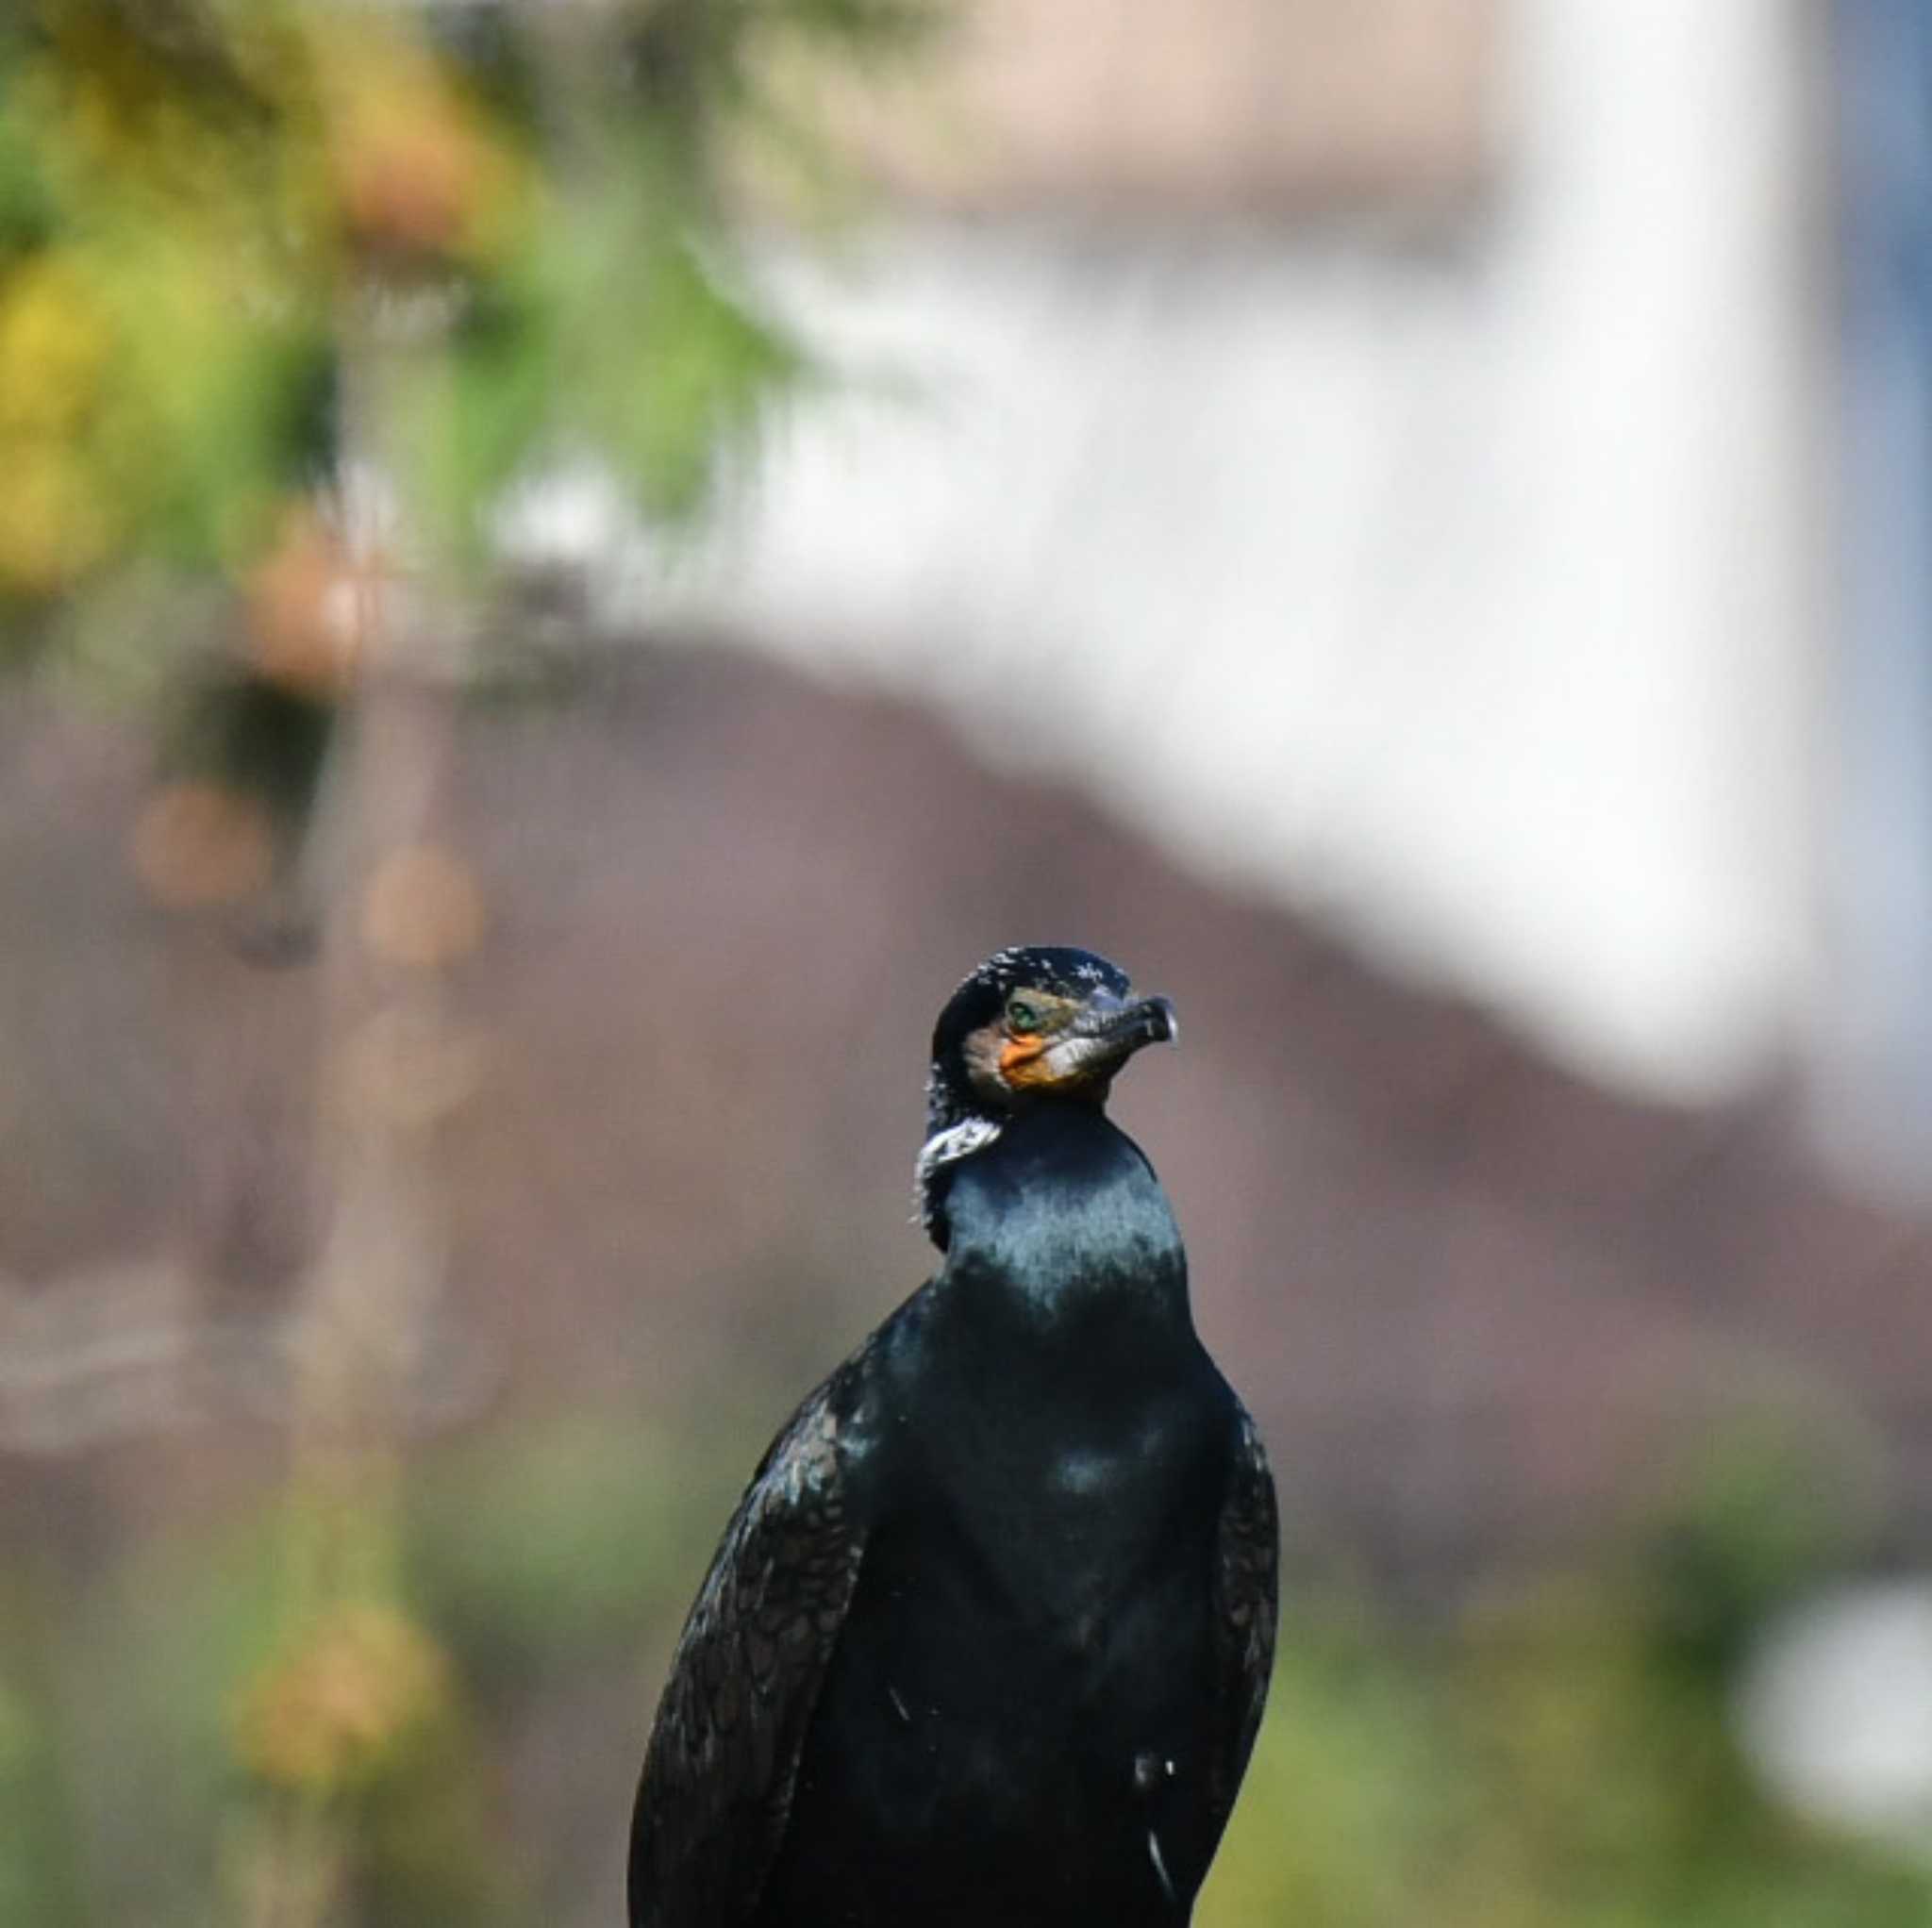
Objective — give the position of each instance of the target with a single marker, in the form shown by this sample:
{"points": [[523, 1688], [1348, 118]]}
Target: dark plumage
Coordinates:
{"points": [[987, 1640]]}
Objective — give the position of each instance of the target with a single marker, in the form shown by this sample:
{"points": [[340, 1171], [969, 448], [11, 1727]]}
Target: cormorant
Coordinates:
{"points": [[984, 1644]]}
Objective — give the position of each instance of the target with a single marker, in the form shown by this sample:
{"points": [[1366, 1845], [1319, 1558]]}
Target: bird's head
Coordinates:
{"points": [[1035, 1021]]}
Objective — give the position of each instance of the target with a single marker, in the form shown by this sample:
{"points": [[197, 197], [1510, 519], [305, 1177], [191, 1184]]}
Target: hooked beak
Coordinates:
{"points": [[1120, 1026]]}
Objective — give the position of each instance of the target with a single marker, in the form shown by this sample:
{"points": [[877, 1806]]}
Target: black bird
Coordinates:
{"points": [[987, 1640]]}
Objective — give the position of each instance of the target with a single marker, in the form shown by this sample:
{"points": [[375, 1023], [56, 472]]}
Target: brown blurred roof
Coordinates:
{"points": [[1186, 105], [1473, 1297]]}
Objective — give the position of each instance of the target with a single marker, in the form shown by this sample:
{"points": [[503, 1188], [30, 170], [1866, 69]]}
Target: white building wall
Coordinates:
{"points": [[1462, 592]]}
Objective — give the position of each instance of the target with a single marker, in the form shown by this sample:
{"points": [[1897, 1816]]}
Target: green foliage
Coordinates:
{"points": [[1549, 1766], [1564, 1757], [543, 1547], [161, 345], [676, 373], [1544, 1760], [345, 1724], [1342, 1813], [40, 1863], [1764, 1510], [499, 226]]}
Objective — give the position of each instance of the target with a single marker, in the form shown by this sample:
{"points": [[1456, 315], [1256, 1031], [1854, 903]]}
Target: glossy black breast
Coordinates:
{"points": [[1032, 1619]]}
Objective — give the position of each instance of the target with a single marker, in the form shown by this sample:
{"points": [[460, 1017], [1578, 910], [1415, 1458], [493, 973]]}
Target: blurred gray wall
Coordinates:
{"points": [[1433, 540]]}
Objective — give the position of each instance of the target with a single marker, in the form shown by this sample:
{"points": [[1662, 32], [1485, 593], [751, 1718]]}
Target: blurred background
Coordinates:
{"points": [[567, 567]]}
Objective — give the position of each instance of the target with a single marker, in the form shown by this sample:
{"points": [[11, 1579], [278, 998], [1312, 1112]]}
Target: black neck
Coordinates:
{"points": [[1061, 1214]]}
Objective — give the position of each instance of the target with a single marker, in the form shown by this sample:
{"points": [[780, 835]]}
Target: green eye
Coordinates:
{"points": [[1023, 1016]]}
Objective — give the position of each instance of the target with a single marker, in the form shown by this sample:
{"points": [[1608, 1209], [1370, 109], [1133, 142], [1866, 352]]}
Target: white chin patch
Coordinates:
{"points": [[1073, 1058], [943, 1148]]}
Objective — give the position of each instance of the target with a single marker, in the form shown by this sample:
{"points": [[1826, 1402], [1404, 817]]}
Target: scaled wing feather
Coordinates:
{"points": [[719, 1774], [1247, 1554]]}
